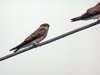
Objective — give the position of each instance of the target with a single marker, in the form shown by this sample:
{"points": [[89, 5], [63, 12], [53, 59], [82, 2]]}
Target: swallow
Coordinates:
{"points": [[92, 13], [34, 38]]}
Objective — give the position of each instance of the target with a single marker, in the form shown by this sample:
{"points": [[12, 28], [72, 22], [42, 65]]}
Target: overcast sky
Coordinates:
{"points": [[77, 54]]}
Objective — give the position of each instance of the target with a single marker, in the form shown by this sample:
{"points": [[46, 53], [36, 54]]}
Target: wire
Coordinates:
{"points": [[51, 40]]}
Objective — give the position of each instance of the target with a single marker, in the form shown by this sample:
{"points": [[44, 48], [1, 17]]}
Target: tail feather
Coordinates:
{"points": [[15, 48], [18, 47], [75, 19]]}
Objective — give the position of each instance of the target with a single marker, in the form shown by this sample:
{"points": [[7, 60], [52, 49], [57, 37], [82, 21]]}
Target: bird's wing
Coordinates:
{"points": [[83, 16], [38, 33], [86, 15], [98, 4], [90, 12]]}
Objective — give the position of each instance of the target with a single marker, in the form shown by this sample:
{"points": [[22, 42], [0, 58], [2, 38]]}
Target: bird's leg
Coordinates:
{"points": [[35, 43], [98, 19]]}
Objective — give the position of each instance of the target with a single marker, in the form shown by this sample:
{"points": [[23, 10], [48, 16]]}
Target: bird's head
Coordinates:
{"points": [[45, 25]]}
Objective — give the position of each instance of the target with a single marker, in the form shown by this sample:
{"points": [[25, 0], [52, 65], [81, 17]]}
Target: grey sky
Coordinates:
{"points": [[78, 54]]}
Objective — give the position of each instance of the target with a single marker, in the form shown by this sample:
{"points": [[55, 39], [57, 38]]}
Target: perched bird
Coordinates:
{"points": [[34, 38], [92, 13]]}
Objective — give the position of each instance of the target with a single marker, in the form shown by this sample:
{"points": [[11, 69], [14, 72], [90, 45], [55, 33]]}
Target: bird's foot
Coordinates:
{"points": [[35, 44], [98, 19]]}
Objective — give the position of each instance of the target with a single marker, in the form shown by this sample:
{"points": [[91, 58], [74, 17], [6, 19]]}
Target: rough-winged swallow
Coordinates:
{"points": [[34, 38], [92, 13]]}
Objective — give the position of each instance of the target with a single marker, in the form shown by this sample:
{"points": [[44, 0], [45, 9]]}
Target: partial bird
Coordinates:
{"points": [[92, 13], [34, 38]]}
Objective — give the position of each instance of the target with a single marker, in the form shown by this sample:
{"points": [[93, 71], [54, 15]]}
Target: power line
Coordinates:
{"points": [[51, 40]]}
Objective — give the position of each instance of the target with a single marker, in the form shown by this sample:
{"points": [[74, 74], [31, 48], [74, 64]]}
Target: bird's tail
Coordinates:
{"points": [[75, 19], [13, 49], [17, 47]]}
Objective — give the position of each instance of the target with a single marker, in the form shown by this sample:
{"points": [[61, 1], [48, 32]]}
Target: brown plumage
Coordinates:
{"points": [[92, 13], [34, 38]]}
